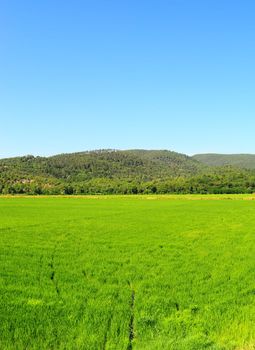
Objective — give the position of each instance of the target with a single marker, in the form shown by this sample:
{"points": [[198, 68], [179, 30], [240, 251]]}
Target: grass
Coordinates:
{"points": [[127, 273]]}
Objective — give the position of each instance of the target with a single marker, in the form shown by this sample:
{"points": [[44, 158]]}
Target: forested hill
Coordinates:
{"points": [[245, 161], [114, 171], [112, 164]]}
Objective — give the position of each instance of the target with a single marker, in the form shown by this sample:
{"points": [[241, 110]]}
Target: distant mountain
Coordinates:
{"points": [[82, 166], [129, 171], [245, 161]]}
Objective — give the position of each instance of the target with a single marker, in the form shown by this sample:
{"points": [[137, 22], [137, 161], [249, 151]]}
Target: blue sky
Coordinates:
{"points": [[173, 74]]}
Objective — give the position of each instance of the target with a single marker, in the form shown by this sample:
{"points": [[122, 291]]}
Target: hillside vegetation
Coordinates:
{"points": [[246, 161], [145, 165], [114, 171]]}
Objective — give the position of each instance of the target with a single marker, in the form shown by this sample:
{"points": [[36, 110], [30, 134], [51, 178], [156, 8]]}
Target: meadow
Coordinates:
{"points": [[127, 272]]}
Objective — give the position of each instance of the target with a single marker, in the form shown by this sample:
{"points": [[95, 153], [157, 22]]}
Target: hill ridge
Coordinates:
{"points": [[121, 171], [241, 160]]}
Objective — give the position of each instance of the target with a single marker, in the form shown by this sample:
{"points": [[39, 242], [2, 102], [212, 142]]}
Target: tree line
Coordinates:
{"points": [[203, 184]]}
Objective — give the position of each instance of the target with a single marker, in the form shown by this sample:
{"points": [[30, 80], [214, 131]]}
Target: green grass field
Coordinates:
{"points": [[127, 273]]}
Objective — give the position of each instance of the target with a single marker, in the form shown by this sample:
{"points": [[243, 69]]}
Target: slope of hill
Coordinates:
{"points": [[135, 164], [114, 171], [246, 161]]}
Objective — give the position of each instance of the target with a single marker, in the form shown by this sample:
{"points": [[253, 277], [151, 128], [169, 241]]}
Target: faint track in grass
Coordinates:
{"points": [[40, 269], [52, 266], [106, 332], [52, 262], [132, 317]]}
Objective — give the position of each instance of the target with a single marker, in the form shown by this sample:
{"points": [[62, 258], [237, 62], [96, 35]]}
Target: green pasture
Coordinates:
{"points": [[127, 273]]}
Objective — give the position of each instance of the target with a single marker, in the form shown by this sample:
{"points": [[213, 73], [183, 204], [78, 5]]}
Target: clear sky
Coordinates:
{"points": [[155, 74]]}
